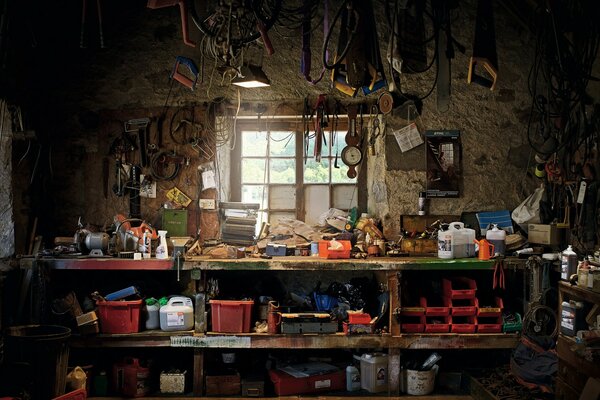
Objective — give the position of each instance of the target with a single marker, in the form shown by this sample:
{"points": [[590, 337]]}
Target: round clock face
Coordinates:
{"points": [[351, 155]]}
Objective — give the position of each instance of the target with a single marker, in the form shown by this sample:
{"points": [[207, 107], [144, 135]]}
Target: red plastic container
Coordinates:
{"points": [[119, 316], [325, 253], [231, 316], [130, 378], [437, 310], [489, 324], [467, 324], [437, 324], [412, 324], [79, 394], [285, 384], [463, 307], [490, 311], [459, 288]]}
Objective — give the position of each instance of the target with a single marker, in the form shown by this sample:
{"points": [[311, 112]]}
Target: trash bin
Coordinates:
{"points": [[45, 349]]}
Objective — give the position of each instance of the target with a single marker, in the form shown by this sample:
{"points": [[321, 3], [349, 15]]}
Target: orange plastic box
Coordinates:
{"points": [[325, 253], [119, 316], [231, 316], [459, 288], [492, 310]]}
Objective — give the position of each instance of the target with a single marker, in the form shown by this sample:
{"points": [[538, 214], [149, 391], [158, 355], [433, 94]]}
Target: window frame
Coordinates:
{"points": [[289, 124]]}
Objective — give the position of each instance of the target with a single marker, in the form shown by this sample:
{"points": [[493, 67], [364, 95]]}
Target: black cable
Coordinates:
{"points": [[346, 5], [157, 163]]}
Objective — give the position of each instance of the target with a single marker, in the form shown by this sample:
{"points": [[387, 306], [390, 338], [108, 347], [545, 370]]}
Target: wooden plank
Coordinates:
{"points": [[307, 397], [293, 263], [394, 374], [109, 263], [394, 290], [421, 247], [579, 292], [152, 338], [456, 341], [563, 349], [198, 383], [199, 312]]}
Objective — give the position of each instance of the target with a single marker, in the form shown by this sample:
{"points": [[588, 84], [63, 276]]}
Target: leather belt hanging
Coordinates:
{"points": [[484, 46]]}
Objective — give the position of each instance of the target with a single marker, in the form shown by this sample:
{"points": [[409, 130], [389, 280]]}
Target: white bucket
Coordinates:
{"points": [[420, 383]]}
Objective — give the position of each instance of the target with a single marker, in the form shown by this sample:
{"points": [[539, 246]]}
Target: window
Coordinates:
{"points": [[277, 169]]}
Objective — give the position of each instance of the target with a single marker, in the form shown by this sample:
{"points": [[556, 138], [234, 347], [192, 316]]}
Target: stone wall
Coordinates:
{"points": [[141, 46]]}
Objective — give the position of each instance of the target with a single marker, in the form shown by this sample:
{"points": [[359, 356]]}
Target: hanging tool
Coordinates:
{"points": [[181, 78], [140, 126], [484, 46], [375, 130], [321, 121], [155, 4], [334, 137], [83, 18], [498, 278]]}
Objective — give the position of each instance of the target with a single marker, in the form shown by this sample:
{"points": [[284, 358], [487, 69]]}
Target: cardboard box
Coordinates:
{"points": [[544, 234], [86, 318], [172, 382]]}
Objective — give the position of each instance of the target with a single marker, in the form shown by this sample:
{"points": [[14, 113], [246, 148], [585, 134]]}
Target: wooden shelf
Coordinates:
{"points": [[299, 341], [322, 264], [108, 264], [579, 292], [350, 395], [153, 338], [563, 348]]}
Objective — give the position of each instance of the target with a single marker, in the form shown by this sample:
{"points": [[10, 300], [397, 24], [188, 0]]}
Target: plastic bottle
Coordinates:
{"points": [[568, 263], [162, 251], [497, 237], [151, 309], [352, 378]]}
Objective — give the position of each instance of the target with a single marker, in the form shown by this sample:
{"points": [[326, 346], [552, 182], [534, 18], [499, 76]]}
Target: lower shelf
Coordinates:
{"points": [[300, 341]]}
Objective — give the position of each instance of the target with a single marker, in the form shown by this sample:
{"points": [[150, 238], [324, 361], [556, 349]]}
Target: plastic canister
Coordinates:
{"points": [[568, 263], [456, 242], [352, 378], [497, 237], [130, 378], [177, 314], [151, 313], [374, 372]]}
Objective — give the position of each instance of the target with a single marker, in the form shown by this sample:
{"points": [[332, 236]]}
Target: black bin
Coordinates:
{"points": [[45, 349]]}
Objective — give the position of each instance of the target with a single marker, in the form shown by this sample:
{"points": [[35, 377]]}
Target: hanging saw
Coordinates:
{"points": [[484, 46]]}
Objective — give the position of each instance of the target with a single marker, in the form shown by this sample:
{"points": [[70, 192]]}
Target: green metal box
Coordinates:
{"points": [[175, 222]]}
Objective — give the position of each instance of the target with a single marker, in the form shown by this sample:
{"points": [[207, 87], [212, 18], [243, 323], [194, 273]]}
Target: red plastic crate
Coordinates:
{"points": [[489, 324], [490, 311], [414, 311], [285, 384], [79, 394], [325, 253], [412, 324], [459, 288], [465, 324], [437, 310], [463, 307], [231, 316], [119, 316], [432, 326]]}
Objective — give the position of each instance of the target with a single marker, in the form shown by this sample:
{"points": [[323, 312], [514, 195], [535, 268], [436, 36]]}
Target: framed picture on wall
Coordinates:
{"points": [[444, 163]]}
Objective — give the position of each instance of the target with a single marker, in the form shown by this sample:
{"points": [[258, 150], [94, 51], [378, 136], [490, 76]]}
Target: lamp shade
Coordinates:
{"points": [[251, 76]]}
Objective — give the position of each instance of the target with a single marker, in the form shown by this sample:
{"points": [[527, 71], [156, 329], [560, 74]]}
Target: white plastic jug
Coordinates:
{"points": [[374, 372], [497, 237], [456, 242], [177, 314]]}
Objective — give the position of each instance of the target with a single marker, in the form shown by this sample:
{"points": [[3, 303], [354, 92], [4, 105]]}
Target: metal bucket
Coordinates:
{"points": [[45, 350]]}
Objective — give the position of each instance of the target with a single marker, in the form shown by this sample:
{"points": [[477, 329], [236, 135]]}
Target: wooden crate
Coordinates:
{"points": [[419, 246], [223, 385]]}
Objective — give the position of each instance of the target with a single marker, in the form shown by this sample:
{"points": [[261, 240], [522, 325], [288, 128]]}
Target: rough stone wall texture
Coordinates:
{"points": [[7, 225], [133, 72]]}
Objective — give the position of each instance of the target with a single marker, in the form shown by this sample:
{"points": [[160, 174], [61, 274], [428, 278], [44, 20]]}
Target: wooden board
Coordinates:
{"points": [[419, 246]]}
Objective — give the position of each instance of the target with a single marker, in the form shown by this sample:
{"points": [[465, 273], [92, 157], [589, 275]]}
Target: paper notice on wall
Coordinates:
{"points": [[408, 137], [208, 180]]}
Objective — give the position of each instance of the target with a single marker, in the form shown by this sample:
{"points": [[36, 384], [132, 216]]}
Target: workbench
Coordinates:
{"points": [[389, 272]]}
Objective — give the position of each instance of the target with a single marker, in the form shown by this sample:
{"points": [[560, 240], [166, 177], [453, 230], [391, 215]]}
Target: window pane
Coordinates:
{"points": [[345, 196], [316, 172], [282, 170], [316, 202], [340, 175], [282, 197], [253, 170], [254, 144], [282, 144], [254, 194]]}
